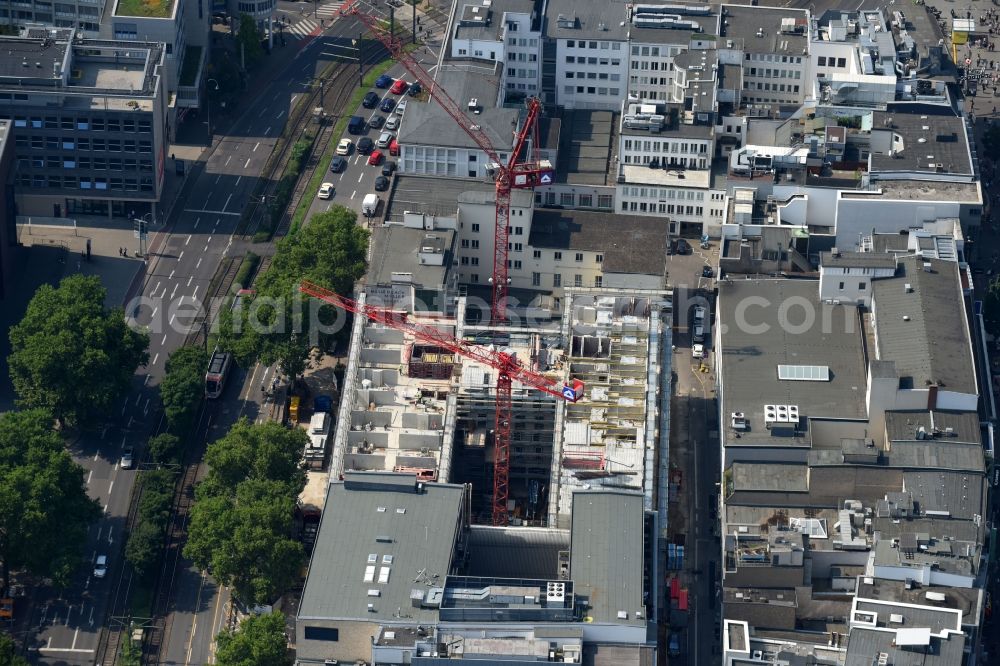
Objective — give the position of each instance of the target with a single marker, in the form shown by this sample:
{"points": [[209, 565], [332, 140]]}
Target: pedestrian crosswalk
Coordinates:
{"points": [[329, 10], [303, 28]]}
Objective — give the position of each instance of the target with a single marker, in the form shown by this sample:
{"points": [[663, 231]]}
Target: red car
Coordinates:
{"points": [[375, 158], [399, 87]]}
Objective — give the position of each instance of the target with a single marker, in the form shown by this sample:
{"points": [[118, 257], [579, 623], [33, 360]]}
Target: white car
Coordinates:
{"points": [[698, 351], [128, 458], [344, 147], [325, 191], [401, 107], [392, 123], [101, 566]]}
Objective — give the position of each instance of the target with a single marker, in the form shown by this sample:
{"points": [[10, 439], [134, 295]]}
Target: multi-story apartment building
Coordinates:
{"points": [[184, 29], [853, 56], [506, 31], [84, 15], [772, 44], [88, 120], [607, 52]]}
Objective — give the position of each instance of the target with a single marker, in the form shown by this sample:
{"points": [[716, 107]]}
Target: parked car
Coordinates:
{"points": [[101, 566], [388, 168], [325, 191], [338, 164], [356, 125], [401, 107], [706, 271], [383, 81], [699, 313], [683, 247], [375, 158], [365, 145], [698, 351], [384, 139], [381, 184], [376, 121], [415, 89], [394, 148], [344, 147], [392, 122], [672, 248], [371, 100], [387, 105], [128, 458], [399, 87]]}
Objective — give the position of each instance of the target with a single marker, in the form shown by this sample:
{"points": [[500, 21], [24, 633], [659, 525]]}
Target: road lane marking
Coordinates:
{"points": [[196, 222], [227, 160], [230, 197], [89, 475], [194, 621], [99, 530], [154, 312], [195, 294], [282, 113], [191, 278], [188, 239], [163, 342], [361, 177], [171, 276], [172, 317], [218, 178], [210, 212], [239, 178], [155, 357], [354, 194], [262, 112], [157, 287], [172, 294], [136, 404], [79, 650], [111, 488], [267, 132], [256, 147], [76, 635], [179, 257], [199, 263], [245, 166]]}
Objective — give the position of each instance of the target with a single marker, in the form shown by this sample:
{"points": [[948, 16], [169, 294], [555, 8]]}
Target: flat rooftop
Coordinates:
{"points": [[968, 601], [163, 9], [933, 140], [766, 29], [919, 190], [865, 645], [589, 19], [631, 244], [588, 145], [921, 325], [483, 19], [643, 175], [399, 250], [377, 531], [434, 195], [765, 324]]}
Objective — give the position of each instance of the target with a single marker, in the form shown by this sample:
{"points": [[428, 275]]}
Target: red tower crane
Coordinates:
{"points": [[508, 367], [509, 175]]}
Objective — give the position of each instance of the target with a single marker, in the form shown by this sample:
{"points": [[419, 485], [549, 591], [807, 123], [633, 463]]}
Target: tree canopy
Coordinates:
{"points": [[72, 355], [8, 652], [280, 324], [183, 387], [44, 508], [241, 522], [249, 37], [258, 641]]}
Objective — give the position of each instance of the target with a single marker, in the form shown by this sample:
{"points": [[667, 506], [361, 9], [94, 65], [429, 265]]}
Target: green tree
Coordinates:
{"points": [[249, 39], [258, 641], [146, 541], [44, 508], [8, 652], [164, 447], [991, 307], [183, 387], [71, 355], [280, 324], [242, 519]]}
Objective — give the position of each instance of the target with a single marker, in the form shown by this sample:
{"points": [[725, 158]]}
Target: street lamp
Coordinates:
{"points": [[208, 104]]}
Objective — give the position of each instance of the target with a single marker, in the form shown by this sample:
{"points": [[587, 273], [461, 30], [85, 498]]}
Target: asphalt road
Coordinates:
{"points": [[64, 629], [694, 451]]}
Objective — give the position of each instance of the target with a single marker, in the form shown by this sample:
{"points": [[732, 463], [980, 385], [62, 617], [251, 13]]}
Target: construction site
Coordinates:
{"points": [[411, 406]]}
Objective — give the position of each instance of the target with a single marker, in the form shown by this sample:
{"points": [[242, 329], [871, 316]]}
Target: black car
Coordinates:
{"points": [[376, 122], [388, 168], [381, 184], [672, 249], [365, 145], [683, 247], [370, 100], [706, 271], [415, 89], [387, 105], [338, 164]]}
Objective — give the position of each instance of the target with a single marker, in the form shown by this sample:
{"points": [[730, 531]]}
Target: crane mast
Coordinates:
{"points": [[508, 175]]}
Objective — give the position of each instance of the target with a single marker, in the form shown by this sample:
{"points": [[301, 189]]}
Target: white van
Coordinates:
{"points": [[369, 206], [319, 431]]}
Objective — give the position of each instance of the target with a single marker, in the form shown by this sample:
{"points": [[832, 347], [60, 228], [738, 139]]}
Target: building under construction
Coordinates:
{"points": [[413, 407]]}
